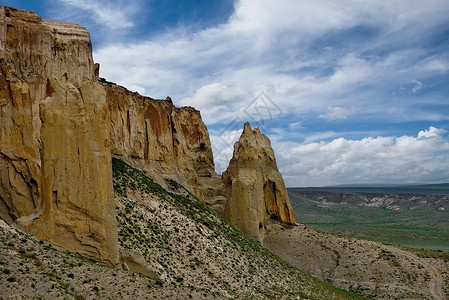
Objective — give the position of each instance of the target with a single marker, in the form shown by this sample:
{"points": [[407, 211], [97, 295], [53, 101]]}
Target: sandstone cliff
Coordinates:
{"points": [[55, 162], [78, 211], [256, 189], [32, 50], [163, 140]]}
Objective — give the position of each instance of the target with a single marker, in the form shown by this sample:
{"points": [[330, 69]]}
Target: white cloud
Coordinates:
{"points": [[112, 14], [431, 133], [418, 85], [213, 98], [295, 125], [320, 136], [335, 113], [404, 159], [136, 88]]}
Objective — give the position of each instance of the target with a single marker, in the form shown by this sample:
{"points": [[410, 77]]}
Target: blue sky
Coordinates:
{"points": [[349, 92]]}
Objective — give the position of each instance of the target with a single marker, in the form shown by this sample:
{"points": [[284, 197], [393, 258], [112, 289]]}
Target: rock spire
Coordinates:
{"points": [[256, 188]]}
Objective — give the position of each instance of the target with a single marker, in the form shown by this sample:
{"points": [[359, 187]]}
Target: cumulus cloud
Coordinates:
{"points": [[214, 94], [213, 98], [431, 133], [382, 159]]}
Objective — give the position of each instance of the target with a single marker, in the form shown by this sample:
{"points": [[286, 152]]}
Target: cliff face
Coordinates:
{"points": [[32, 50], [163, 140], [55, 162], [78, 211], [256, 189]]}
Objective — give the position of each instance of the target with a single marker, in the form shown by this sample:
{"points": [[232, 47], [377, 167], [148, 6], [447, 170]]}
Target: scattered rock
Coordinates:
{"points": [[135, 262]]}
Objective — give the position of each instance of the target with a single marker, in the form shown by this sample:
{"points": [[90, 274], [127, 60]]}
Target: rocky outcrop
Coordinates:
{"points": [[256, 189], [135, 262], [163, 140], [32, 50], [55, 161]]}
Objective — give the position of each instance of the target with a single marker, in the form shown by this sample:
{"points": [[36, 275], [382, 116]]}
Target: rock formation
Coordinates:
{"points": [[32, 50], [55, 176], [78, 211], [161, 139], [60, 126], [256, 189]]}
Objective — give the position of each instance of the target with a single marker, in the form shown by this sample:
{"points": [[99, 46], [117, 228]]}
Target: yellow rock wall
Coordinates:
{"points": [[55, 161], [31, 51], [78, 211]]}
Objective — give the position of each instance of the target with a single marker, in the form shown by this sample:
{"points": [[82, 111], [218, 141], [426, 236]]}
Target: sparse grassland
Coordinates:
{"points": [[420, 221]]}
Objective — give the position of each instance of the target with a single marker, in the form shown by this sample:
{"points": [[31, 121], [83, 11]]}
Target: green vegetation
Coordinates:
{"points": [[406, 221], [195, 249]]}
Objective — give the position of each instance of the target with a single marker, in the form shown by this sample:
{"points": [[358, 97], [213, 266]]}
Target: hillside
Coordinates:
{"points": [[373, 270], [188, 250]]}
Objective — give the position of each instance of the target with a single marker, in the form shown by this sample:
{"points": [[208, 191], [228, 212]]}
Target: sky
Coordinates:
{"points": [[349, 92]]}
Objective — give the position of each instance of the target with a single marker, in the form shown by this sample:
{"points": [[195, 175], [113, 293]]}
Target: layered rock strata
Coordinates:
{"points": [[256, 188]]}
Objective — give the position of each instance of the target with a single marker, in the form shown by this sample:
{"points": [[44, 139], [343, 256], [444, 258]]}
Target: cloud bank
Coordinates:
{"points": [[406, 159], [348, 77]]}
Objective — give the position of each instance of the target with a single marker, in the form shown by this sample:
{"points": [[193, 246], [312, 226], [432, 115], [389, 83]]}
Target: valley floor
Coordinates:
{"points": [[371, 269]]}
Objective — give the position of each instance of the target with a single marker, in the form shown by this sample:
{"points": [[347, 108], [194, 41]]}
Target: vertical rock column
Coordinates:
{"points": [[256, 188], [31, 51], [77, 210]]}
